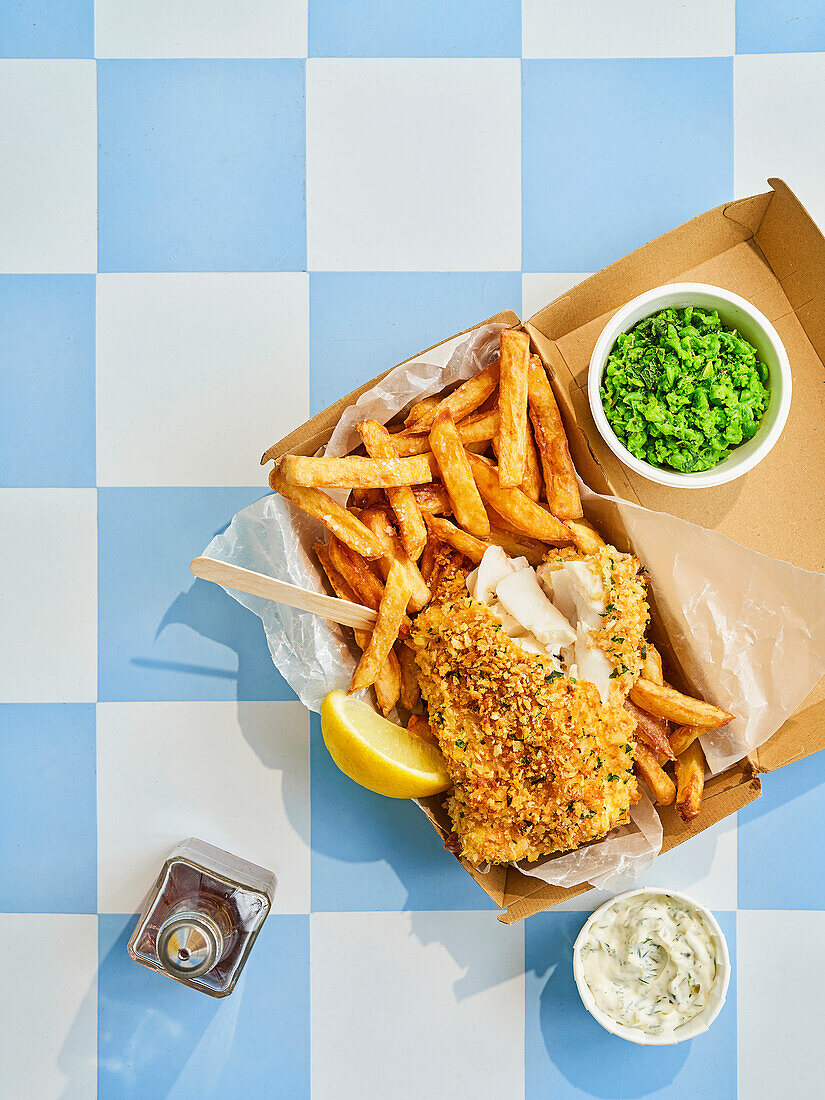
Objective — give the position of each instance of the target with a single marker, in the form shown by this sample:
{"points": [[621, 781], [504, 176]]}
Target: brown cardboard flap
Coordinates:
{"points": [[306, 439], [767, 249]]}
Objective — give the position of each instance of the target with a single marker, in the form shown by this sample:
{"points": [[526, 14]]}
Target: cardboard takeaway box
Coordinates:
{"points": [[767, 249]]}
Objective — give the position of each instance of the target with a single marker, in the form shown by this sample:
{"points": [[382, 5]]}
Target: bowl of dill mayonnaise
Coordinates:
{"points": [[652, 966], [689, 385]]}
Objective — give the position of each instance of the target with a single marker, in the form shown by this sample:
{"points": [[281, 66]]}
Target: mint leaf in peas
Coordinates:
{"points": [[681, 390]]}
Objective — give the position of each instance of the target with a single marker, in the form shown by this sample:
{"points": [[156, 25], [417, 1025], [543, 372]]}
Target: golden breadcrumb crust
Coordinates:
{"points": [[538, 764]]}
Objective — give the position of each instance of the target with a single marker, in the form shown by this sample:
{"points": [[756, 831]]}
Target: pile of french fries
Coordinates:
{"points": [[493, 456]]}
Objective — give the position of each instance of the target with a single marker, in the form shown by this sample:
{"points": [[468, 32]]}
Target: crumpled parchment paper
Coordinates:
{"points": [[749, 630]]}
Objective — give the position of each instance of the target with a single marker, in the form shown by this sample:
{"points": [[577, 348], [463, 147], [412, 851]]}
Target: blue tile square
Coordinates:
{"points": [[373, 853], [162, 635], [569, 1055], [780, 26], [157, 1038], [415, 28], [48, 808], [775, 871], [47, 28], [362, 323], [201, 165], [616, 152], [47, 381]]}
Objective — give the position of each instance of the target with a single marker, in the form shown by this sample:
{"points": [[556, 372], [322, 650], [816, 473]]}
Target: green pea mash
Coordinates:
{"points": [[682, 390]]}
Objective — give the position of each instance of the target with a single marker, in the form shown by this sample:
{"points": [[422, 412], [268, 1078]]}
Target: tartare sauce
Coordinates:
{"points": [[650, 962]]}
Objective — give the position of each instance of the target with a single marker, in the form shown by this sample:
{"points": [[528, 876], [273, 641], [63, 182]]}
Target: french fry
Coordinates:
{"points": [[667, 702], [462, 541], [379, 445], [473, 430], [339, 585], [531, 483], [652, 668], [517, 546], [479, 448], [585, 536], [428, 558], [560, 486], [355, 571], [512, 405], [658, 781], [366, 498], [391, 614], [461, 402], [653, 731], [432, 498], [335, 517], [419, 408], [354, 472], [410, 689], [381, 527], [683, 737], [690, 781], [420, 727], [451, 457], [522, 513], [388, 682]]}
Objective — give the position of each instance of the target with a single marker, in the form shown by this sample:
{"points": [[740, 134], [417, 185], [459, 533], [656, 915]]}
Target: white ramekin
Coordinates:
{"points": [[737, 313], [699, 1024]]}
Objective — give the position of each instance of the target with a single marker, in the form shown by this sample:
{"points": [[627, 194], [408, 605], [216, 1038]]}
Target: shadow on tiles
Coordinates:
{"points": [[567, 1040], [210, 612], [376, 853]]}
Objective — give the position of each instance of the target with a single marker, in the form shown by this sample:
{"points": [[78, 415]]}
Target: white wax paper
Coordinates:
{"points": [[749, 630]]}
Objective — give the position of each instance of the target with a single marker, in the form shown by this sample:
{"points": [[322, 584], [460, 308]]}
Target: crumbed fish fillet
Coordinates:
{"points": [[539, 765]]}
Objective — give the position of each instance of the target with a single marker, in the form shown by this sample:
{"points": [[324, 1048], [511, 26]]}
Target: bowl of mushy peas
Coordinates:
{"points": [[689, 385]]}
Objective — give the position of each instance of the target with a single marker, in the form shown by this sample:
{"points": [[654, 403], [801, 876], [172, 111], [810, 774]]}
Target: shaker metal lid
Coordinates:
{"points": [[189, 944]]}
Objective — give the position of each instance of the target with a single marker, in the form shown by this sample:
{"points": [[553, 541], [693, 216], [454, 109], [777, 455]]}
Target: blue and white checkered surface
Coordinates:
{"points": [[215, 218]]}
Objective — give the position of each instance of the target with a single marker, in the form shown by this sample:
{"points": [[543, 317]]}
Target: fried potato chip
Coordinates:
{"points": [[512, 405], [388, 682], [381, 527], [460, 403], [379, 445], [690, 781], [335, 517], [560, 486], [474, 429], [467, 506], [667, 702], [527, 517], [660, 784], [391, 614], [354, 472]]}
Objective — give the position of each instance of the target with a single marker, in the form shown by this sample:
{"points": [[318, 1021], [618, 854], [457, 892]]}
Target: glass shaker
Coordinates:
{"points": [[202, 917]]}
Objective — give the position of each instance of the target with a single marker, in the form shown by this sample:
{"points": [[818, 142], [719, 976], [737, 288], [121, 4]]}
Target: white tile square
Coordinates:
{"points": [[234, 775], [48, 1042], [705, 867], [781, 971], [48, 186], [779, 116], [645, 28], [414, 164], [48, 592], [540, 289], [200, 28], [438, 1004], [198, 374]]}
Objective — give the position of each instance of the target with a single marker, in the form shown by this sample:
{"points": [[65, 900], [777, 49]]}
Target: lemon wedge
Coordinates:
{"points": [[378, 754]]}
